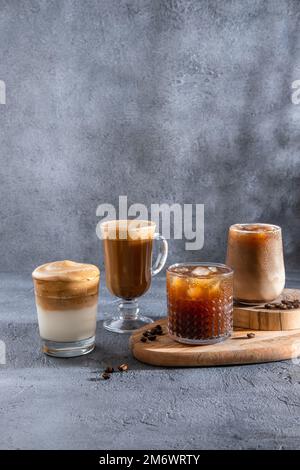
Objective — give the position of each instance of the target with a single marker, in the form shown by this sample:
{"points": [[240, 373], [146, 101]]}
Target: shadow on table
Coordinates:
{"points": [[23, 350]]}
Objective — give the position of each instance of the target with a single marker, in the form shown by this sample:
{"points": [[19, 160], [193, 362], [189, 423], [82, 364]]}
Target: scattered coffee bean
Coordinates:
{"points": [[143, 339], [147, 333], [250, 335], [152, 337], [109, 370], [123, 367], [284, 305], [105, 376]]}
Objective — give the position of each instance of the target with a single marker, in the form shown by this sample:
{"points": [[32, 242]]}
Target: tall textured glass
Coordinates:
{"points": [[255, 253], [200, 302]]}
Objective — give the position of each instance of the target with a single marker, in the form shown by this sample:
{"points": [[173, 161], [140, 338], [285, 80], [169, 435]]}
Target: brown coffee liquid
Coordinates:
{"points": [[128, 266], [199, 308]]}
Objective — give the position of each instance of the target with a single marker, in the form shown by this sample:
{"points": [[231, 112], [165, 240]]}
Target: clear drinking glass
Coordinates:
{"points": [[127, 248], [66, 295], [200, 302], [255, 253]]}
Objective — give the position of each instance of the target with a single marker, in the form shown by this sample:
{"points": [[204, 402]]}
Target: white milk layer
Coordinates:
{"points": [[67, 325]]}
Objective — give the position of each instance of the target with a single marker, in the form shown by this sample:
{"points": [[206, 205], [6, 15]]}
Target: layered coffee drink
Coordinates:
{"points": [[200, 302], [66, 296], [255, 253], [127, 246], [128, 256]]}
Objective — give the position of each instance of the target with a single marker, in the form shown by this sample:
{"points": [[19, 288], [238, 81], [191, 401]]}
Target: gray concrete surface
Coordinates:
{"points": [[184, 101], [49, 403]]}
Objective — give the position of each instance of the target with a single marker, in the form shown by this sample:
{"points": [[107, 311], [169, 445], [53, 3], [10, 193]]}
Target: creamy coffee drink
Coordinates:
{"points": [[128, 255], [66, 296], [127, 246], [255, 253]]}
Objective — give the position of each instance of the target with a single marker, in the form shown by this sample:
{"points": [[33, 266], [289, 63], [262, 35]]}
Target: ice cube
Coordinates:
{"points": [[213, 269], [201, 271], [182, 269], [195, 292]]}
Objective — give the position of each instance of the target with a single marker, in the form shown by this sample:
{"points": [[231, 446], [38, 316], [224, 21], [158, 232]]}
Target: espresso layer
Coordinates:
{"points": [[66, 303]]}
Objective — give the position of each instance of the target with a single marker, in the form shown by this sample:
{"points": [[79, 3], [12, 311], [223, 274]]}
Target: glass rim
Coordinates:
{"points": [[276, 228], [200, 264], [141, 224]]}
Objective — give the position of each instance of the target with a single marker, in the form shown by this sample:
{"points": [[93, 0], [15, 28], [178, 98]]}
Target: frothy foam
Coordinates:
{"points": [[66, 271], [128, 229], [255, 228]]}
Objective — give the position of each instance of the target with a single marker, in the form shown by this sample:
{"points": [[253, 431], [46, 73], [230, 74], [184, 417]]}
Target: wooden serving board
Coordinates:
{"points": [[267, 346], [259, 318]]}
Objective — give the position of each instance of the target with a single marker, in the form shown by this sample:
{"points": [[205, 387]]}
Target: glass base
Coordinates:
{"points": [[200, 342], [69, 349], [126, 325]]}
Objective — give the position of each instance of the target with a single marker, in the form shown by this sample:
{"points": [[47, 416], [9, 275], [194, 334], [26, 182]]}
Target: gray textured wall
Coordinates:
{"points": [[164, 101]]}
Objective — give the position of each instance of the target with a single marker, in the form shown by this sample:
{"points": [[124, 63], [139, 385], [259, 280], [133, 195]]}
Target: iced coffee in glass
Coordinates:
{"points": [[255, 254], [200, 302]]}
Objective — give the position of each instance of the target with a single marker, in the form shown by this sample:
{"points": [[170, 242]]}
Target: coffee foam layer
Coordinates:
{"points": [[255, 228], [66, 284], [66, 271], [128, 229]]}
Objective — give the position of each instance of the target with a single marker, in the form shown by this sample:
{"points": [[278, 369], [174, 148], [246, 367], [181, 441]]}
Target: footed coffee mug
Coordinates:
{"points": [[128, 265]]}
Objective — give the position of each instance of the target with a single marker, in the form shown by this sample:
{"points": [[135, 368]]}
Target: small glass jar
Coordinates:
{"points": [[200, 302], [66, 295]]}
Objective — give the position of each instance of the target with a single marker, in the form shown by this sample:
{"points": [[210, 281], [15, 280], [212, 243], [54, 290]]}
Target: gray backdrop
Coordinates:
{"points": [[161, 100]]}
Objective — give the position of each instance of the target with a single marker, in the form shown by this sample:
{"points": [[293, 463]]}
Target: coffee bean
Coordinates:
{"points": [[250, 335], [105, 376], [143, 339], [109, 370], [147, 333], [152, 338], [285, 307], [123, 367], [268, 306]]}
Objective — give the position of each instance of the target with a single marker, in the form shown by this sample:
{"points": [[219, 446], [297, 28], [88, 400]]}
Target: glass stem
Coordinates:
{"points": [[129, 309]]}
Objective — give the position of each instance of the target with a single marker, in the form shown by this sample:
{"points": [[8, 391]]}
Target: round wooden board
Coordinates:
{"points": [[259, 318], [267, 346]]}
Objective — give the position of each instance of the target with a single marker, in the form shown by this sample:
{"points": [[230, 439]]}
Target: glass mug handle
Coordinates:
{"points": [[162, 255]]}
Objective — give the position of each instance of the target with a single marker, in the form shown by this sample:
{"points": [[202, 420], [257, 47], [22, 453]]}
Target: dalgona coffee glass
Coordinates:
{"points": [[128, 246], [255, 253], [66, 295]]}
